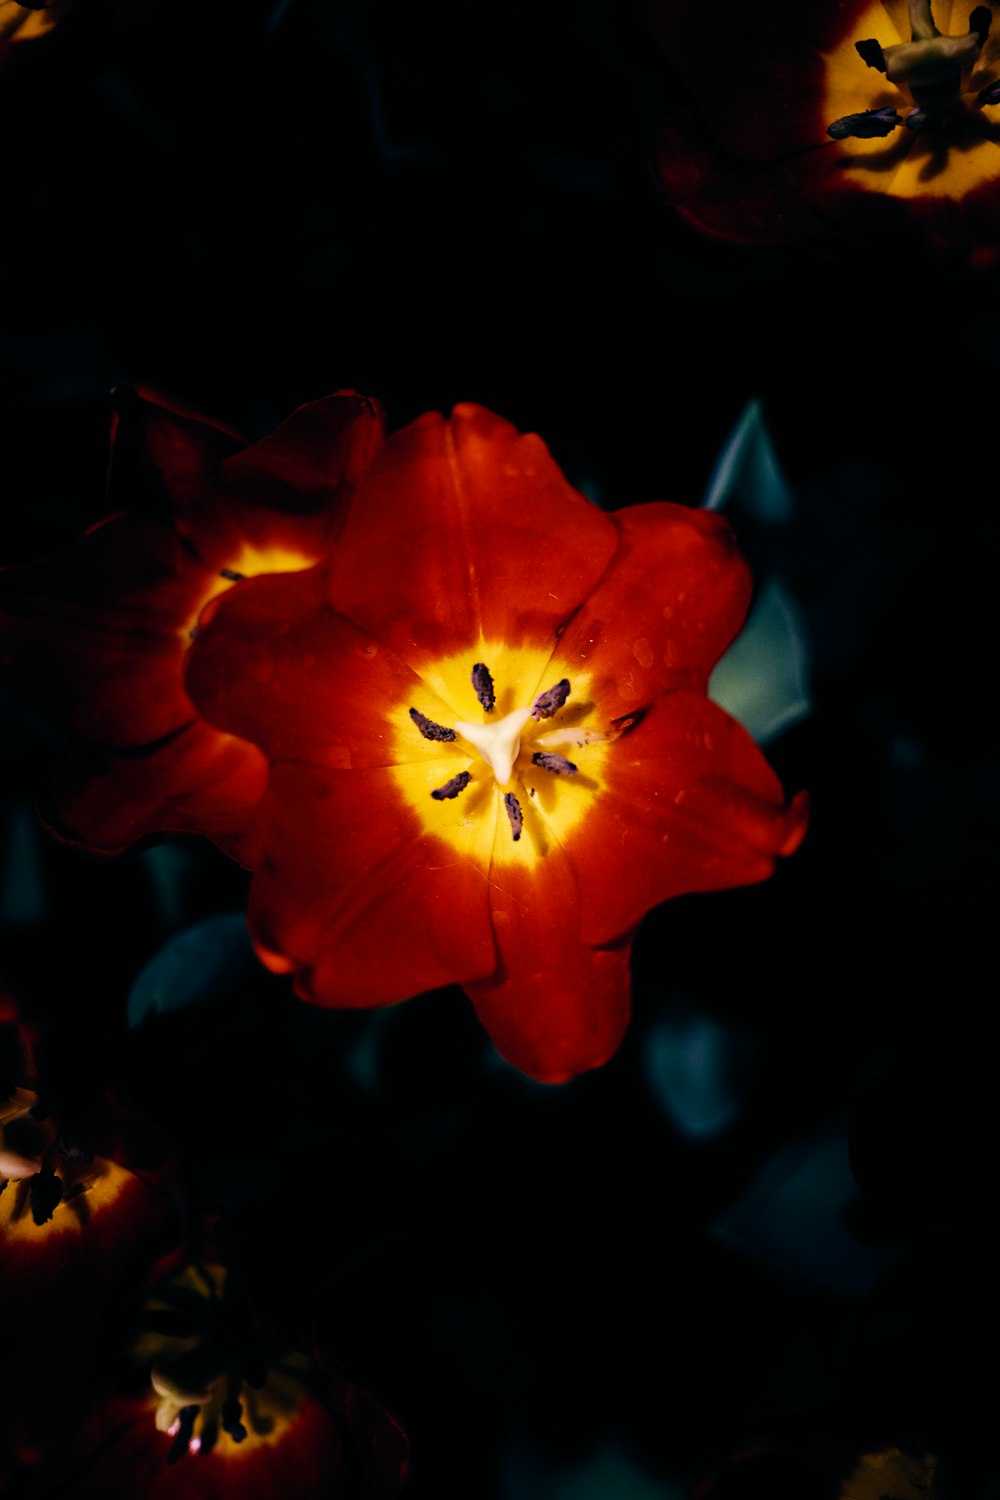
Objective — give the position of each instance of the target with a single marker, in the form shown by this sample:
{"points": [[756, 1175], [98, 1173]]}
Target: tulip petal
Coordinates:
{"points": [[354, 893], [555, 1007], [791, 198], [96, 634], [249, 508], [120, 1452], [669, 605], [275, 665], [757, 72], [197, 781], [689, 804], [465, 530]]}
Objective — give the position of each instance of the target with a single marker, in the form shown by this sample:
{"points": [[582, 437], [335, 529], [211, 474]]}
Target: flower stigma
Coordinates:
{"points": [[499, 744]]}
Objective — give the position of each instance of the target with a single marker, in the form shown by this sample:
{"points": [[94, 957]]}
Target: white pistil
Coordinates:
{"points": [[499, 744]]}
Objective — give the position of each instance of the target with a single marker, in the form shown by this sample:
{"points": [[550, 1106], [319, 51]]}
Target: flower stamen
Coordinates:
{"points": [[931, 72], [182, 1436], [453, 787], [870, 52], [549, 702], [482, 683], [557, 764], [429, 729], [514, 813]]}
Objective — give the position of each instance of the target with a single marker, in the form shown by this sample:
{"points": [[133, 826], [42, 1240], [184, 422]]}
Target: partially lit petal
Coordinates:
{"points": [[555, 1007], [357, 896], [466, 529], [690, 805], [672, 600]]}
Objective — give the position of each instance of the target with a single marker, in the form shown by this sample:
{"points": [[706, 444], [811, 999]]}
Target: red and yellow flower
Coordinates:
{"points": [[856, 115], [96, 637], [77, 1207], [490, 742], [87, 1211], [221, 1407]]}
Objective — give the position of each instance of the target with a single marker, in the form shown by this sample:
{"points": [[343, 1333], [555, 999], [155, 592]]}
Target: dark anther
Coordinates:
{"points": [[232, 575], [452, 788], [429, 729], [866, 125], [46, 1195], [232, 1420], [193, 633], [557, 764], [547, 703], [483, 684], [871, 53], [918, 118], [980, 22], [3, 1183], [185, 1427], [990, 95], [515, 815]]}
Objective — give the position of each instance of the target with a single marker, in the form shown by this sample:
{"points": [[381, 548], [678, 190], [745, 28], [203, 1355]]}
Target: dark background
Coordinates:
{"points": [[573, 1293]]}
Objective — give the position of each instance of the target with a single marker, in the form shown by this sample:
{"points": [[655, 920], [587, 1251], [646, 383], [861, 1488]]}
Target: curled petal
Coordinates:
{"points": [[465, 529], [670, 603], [269, 506], [690, 804]]}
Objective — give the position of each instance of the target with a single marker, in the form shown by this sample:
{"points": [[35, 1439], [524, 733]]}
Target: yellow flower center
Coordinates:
{"points": [[46, 1186], [927, 131], [219, 1388], [496, 760]]}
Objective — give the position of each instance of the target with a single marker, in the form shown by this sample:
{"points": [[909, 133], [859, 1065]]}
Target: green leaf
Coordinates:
{"points": [[197, 966]]}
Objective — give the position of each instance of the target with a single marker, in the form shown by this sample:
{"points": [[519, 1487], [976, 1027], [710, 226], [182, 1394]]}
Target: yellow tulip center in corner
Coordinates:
{"points": [[910, 106]]}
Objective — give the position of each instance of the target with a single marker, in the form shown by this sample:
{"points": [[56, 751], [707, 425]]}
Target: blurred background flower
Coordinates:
{"points": [[861, 119]]}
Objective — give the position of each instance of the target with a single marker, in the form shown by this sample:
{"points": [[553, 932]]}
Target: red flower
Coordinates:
{"points": [[491, 745], [848, 114], [84, 1213], [96, 636], [225, 1410], [77, 1208]]}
